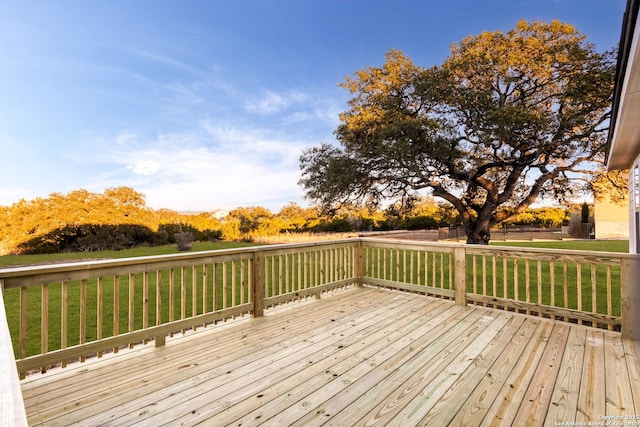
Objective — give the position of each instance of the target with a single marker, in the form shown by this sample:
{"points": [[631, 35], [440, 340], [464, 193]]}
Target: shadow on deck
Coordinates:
{"points": [[358, 356]]}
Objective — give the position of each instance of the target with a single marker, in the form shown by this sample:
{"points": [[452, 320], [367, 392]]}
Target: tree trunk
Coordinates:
{"points": [[478, 232]]}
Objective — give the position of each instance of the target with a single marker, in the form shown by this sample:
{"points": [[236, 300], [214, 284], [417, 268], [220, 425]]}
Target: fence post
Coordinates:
{"points": [[358, 263], [12, 410], [460, 265], [257, 284], [630, 297]]}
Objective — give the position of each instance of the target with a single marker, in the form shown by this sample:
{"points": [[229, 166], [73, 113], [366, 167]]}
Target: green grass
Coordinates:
{"points": [[580, 245], [19, 260]]}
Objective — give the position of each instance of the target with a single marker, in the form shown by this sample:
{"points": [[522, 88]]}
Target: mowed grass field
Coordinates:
{"points": [[12, 297]]}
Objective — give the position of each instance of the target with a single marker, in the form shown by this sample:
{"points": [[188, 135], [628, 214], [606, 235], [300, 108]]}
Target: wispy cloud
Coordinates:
{"points": [[210, 167], [273, 102]]}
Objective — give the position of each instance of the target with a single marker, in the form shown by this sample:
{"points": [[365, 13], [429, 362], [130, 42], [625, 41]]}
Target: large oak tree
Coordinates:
{"points": [[507, 118]]}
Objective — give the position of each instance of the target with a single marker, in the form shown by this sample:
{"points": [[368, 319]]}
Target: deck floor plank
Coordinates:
{"points": [[592, 398], [358, 356], [619, 396], [564, 401], [535, 402]]}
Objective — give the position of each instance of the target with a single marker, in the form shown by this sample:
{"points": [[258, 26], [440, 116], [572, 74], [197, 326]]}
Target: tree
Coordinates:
{"points": [[508, 117]]}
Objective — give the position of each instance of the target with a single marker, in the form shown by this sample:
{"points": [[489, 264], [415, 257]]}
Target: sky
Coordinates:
{"points": [[203, 105]]}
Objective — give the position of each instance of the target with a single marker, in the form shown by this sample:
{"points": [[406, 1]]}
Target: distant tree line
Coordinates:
{"points": [[118, 218]]}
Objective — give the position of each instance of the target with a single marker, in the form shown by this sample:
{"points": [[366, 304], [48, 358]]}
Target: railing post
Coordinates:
{"points": [[630, 298], [460, 266], [12, 411], [257, 284], [357, 263]]}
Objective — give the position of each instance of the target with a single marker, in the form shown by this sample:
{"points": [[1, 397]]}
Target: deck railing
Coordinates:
{"points": [[65, 312]]}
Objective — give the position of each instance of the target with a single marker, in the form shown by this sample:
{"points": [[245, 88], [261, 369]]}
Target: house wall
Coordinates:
{"points": [[611, 218], [634, 207]]}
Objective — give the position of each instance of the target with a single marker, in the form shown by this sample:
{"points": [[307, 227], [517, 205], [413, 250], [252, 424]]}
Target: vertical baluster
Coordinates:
{"points": [[83, 313], [286, 272], [527, 282], [131, 324], [194, 291], [411, 266], [594, 290], [224, 285], [64, 316], [234, 290], [158, 297], [609, 302], [205, 287], [242, 282], [281, 279], [214, 290], [552, 280], [579, 287], [484, 275], [99, 310], [299, 270], [494, 270], [451, 270], [249, 279], [145, 301], [306, 272], [183, 294], [565, 285], [116, 308], [505, 277], [316, 268], [172, 296], [441, 270], [539, 278], [434, 282], [516, 285], [565, 280], [44, 321], [331, 264], [272, 277], [23, 325], [426, 268], [474, 270]]}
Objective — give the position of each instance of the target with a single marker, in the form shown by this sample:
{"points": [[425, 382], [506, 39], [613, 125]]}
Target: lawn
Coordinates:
{"points": [[580, 245], [19, 260]]}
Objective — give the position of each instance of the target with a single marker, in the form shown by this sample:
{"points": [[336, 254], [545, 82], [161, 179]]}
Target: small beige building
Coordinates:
{"points": [[611, 216]]}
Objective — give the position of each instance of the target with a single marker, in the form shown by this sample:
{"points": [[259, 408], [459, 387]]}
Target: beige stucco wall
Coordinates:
{"points": [[611, 218]]}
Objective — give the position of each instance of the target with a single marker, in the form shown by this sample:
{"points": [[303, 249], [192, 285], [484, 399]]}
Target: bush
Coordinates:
{"points": [[421, 223], [183, 240]]}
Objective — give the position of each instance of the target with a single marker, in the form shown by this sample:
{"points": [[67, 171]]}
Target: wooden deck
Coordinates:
{"points": [[358, 356]]}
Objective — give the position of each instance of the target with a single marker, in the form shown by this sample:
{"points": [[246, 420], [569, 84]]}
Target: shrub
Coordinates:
{"points": [[184, 240]]}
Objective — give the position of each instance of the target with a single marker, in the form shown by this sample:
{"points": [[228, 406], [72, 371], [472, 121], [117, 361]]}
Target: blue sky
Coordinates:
{"points": [[204, 105]]}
